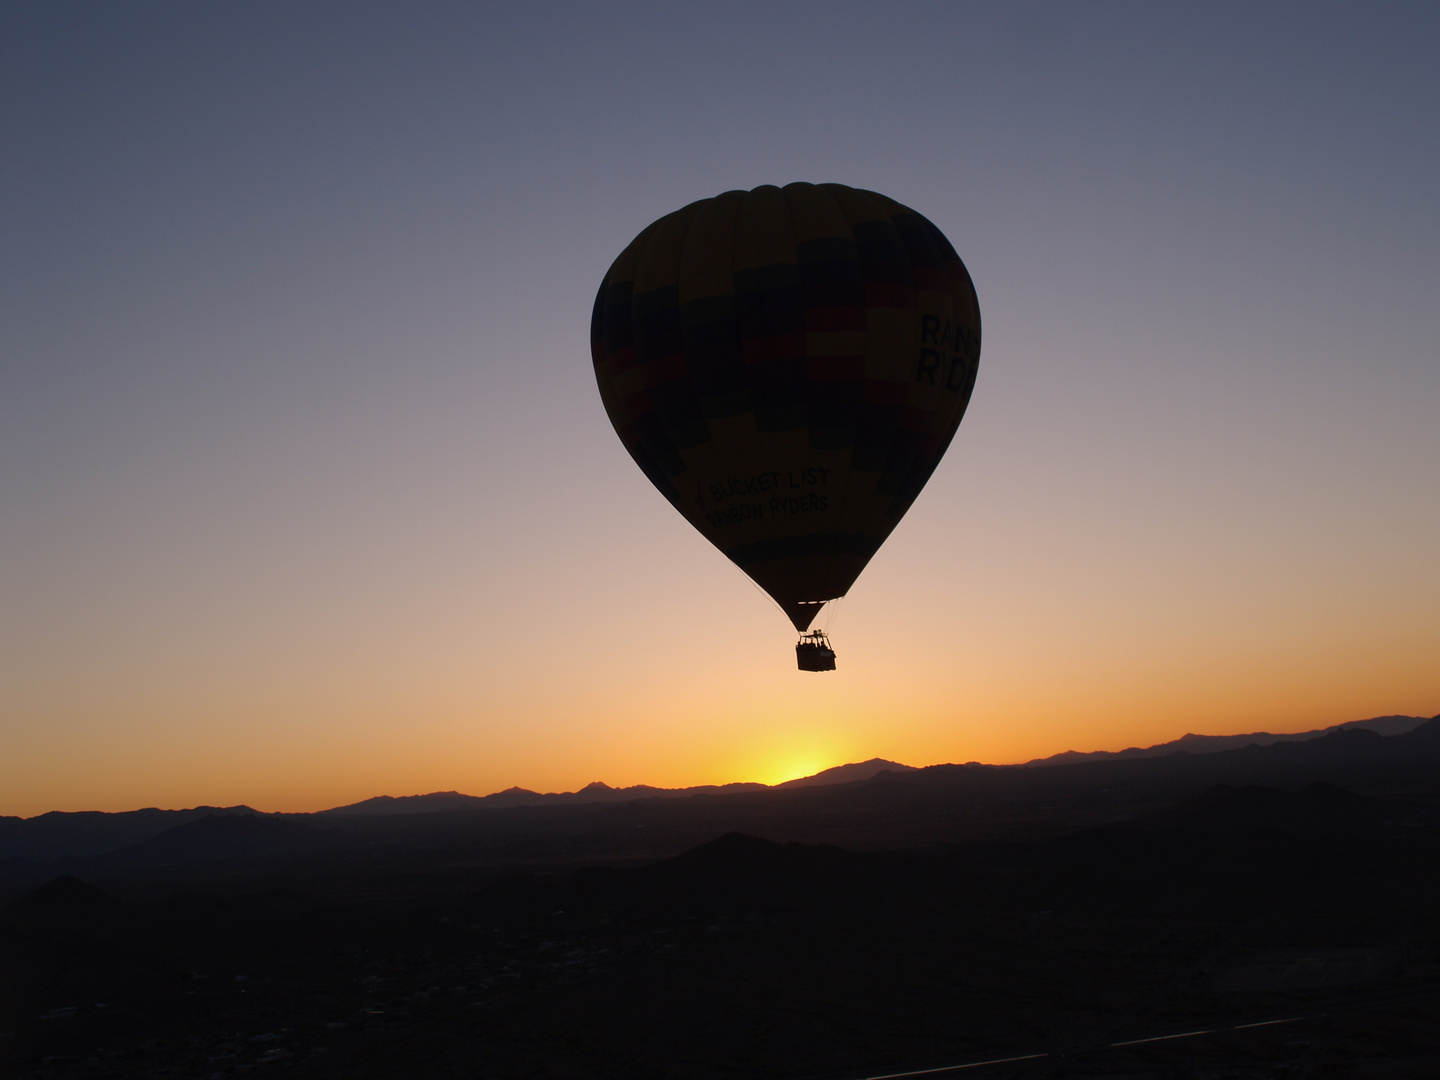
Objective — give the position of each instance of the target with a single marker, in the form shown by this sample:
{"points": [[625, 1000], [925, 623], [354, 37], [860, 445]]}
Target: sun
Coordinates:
{"points": [[794, 768]]}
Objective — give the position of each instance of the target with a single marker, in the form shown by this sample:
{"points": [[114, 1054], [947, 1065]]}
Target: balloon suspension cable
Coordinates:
{"points": [[772, 601]]}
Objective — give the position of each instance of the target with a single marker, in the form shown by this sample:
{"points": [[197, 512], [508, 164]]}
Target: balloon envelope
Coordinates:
{"points": [[787, 365]]}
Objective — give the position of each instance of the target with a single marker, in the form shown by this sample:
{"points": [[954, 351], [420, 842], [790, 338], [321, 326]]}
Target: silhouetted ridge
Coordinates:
{"points": [[734, 875], [1388, 726], [1427, 735], [849, 774], [59, 834], [599, 792], [736, 851], [510, 798], [215, 836], [1356, 738], [435, 802], [938, 804], [1320, 807], [64, 899]]}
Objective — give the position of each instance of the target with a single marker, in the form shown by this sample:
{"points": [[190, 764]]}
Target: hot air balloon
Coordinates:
{"points": [[787, 365]]}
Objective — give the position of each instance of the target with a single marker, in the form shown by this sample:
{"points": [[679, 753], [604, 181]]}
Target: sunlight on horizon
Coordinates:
{"points": [[794, 771]]}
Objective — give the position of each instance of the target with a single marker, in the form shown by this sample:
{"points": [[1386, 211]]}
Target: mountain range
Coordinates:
{"points": [[1214, 744], [1136, 906], [875, 798]]}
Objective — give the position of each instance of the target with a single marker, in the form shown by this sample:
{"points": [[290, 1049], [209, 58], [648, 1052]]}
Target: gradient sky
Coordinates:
{"points": [[307, 494]]}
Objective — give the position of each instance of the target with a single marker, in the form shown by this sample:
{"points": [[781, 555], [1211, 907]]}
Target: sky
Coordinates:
{"points": [[307, 494]]}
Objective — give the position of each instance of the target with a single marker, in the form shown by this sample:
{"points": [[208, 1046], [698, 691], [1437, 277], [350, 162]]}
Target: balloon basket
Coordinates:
{"points": [[813, 652]]}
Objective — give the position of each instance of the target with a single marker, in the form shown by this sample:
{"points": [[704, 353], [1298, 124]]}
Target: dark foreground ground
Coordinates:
{"points": [[1298, 931]]}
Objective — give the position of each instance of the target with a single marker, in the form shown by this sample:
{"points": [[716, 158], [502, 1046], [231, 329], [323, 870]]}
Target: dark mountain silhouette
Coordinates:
{"points": [[1318, 808], [889, 804], [737, 866], [434, 802], [64, 899], [1425, 735], [60, 834], [1211, 744], [734, 877], [596, 792], [847, 774], [913, 920], [217, 836]]}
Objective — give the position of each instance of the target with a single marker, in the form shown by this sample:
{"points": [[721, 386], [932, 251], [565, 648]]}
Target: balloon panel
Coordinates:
{"points": [[787, 366]]}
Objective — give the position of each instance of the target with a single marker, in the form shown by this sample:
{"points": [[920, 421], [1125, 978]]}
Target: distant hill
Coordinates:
{"points": [[90, 832], [435, 802], [849, 774], [217, 836], [1317, 808], [440, 801], [64, 899], [735, 872], [1214, 744]]}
